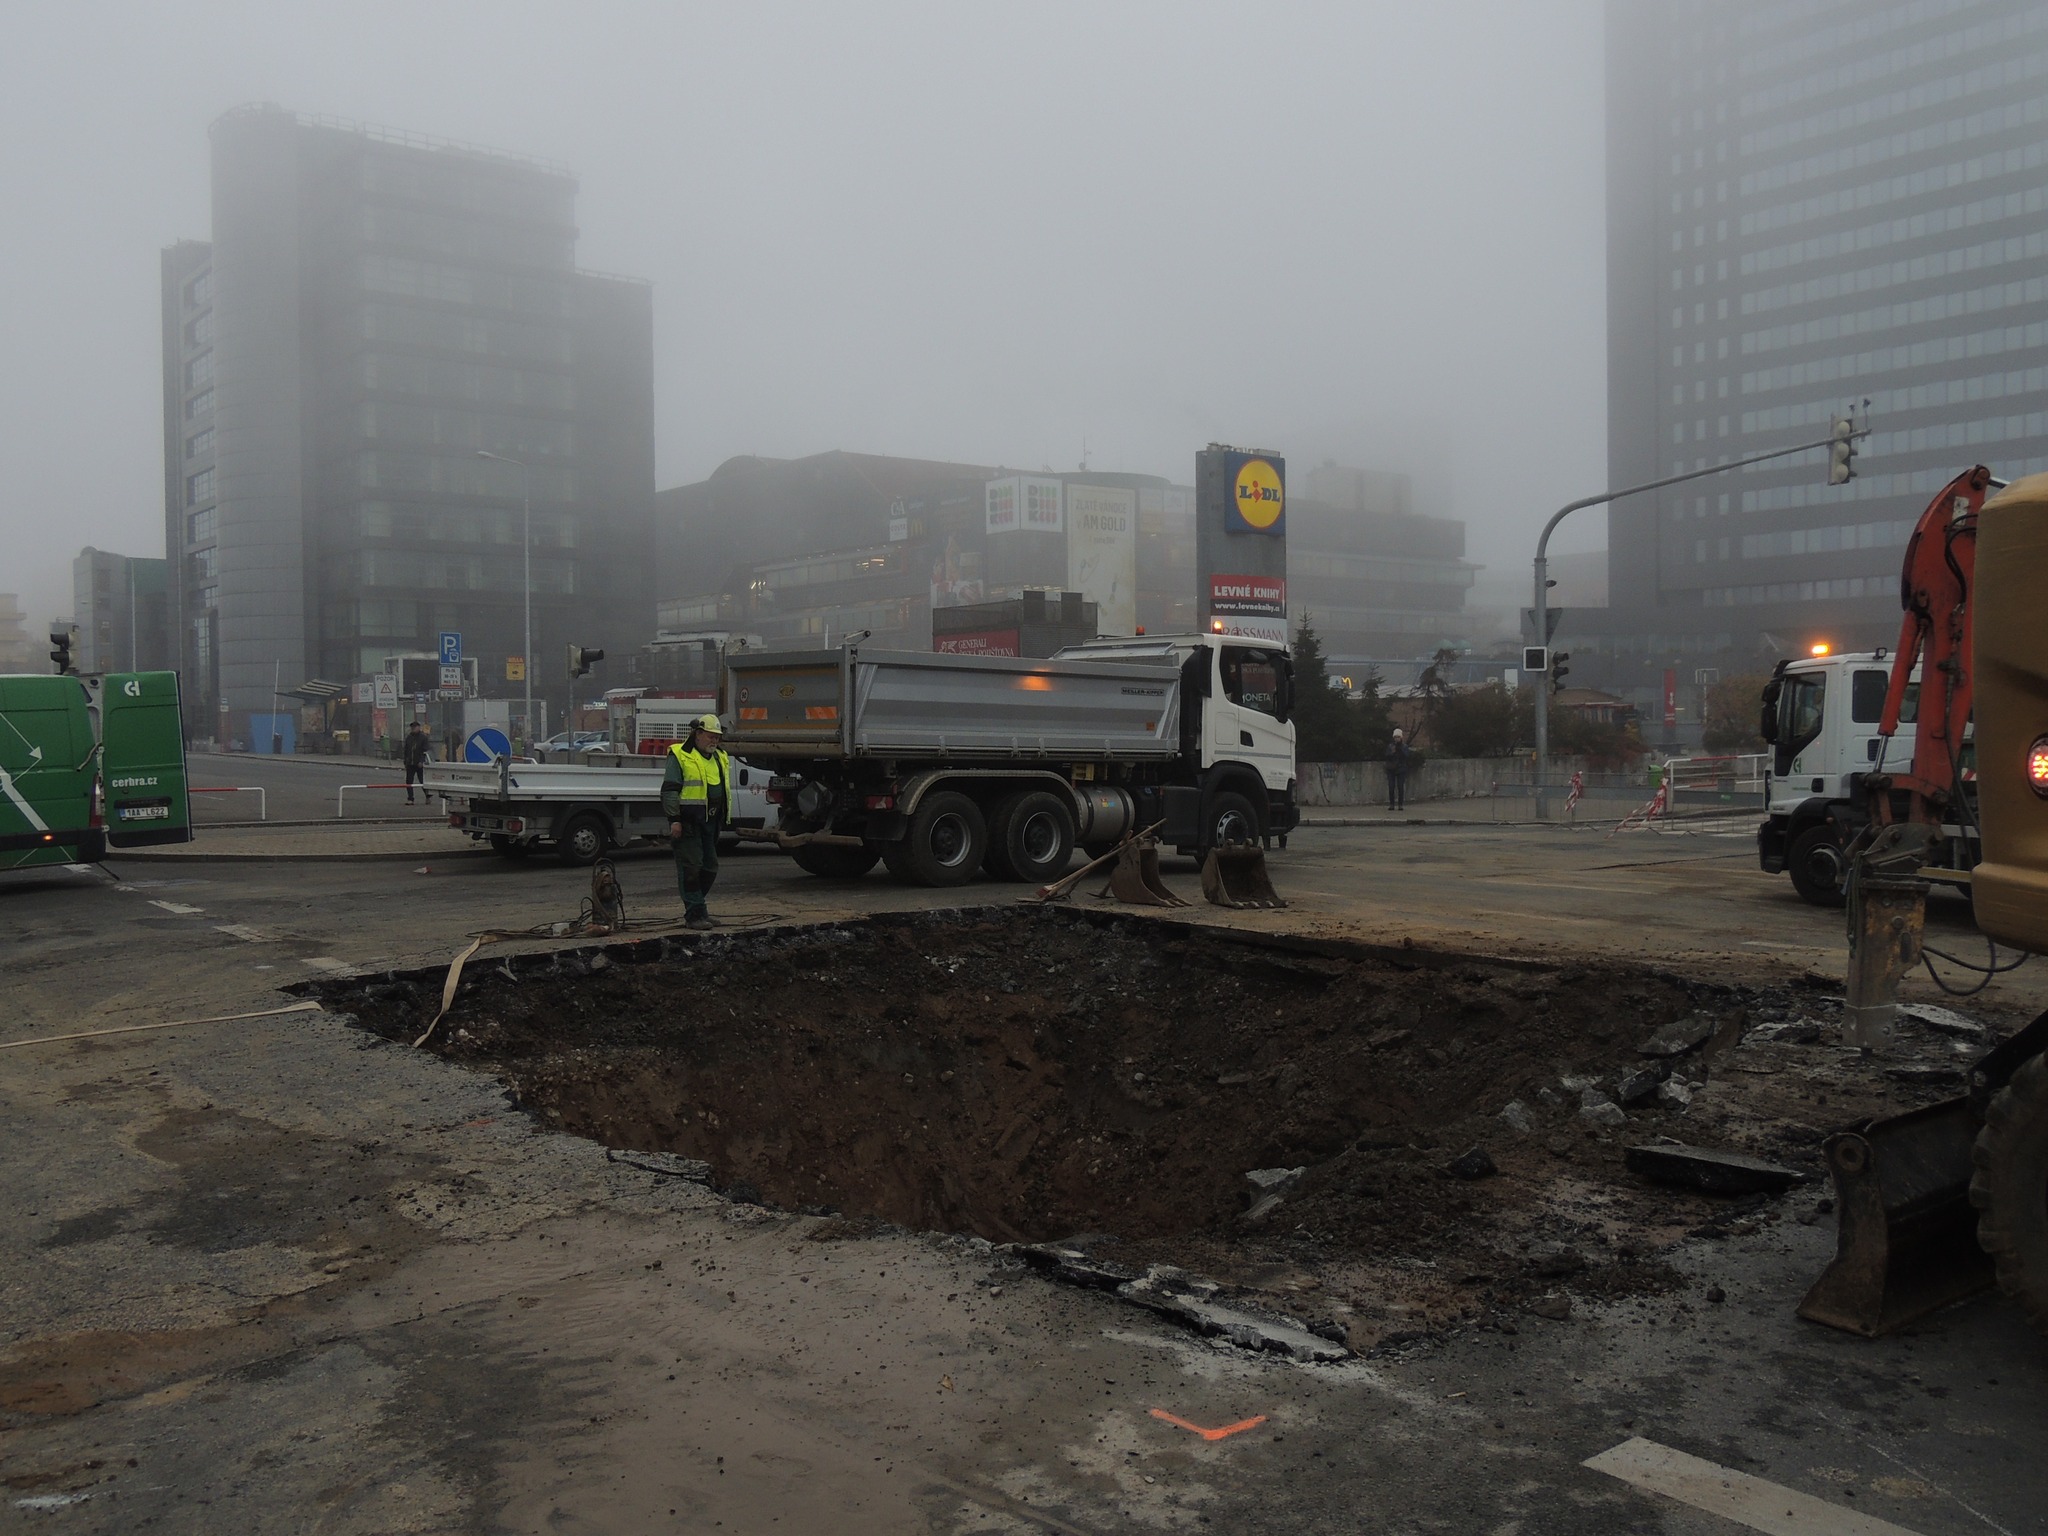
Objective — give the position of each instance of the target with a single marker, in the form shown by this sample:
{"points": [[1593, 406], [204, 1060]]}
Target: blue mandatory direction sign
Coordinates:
{"points": [[486, 744], [451, 648]]}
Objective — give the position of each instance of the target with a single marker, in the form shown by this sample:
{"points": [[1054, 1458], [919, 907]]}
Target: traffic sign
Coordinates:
{"points": [[451, 676], [486, 744], [451, 647]]}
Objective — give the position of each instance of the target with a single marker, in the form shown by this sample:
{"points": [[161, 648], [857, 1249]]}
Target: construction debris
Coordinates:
{"points": [[1717, 1172]]}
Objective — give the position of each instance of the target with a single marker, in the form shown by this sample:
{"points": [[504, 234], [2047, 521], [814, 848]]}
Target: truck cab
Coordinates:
{"points": [[1820, 717]]}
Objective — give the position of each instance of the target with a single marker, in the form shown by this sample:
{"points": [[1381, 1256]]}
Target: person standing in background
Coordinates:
{"points": [[1397, 773]]}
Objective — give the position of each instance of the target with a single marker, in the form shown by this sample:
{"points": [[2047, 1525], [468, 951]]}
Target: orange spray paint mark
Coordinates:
{"points": [[1210, 1434]]}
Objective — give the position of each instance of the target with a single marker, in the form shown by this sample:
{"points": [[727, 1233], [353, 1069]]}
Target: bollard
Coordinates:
{"points": [[1887, 917]]}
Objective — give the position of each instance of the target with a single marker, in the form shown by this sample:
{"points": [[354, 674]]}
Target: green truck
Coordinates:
{"points": [[88, 764]]}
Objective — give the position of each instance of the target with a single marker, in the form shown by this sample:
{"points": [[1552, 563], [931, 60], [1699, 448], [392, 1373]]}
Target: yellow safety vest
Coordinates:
{"points": [[701, 773]]}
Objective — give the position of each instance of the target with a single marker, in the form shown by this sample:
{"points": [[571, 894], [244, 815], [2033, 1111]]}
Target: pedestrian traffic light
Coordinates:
{"points": [[1558, 669], [1841, 450], [1536, 659], [60, 648], [582, 658]]}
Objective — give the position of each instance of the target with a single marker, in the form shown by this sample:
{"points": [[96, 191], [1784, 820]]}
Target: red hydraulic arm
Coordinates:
{"points": [[1941, 564]]}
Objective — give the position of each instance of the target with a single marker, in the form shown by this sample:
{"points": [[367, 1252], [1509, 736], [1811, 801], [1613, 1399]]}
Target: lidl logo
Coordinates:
{"points": [[1259, 496]]}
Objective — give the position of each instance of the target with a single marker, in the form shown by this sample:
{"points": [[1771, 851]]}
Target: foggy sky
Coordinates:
{"points": [[1369, 231]]}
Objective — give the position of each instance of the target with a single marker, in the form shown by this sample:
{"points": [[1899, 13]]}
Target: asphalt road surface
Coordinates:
{"points": [[270, 1274]]}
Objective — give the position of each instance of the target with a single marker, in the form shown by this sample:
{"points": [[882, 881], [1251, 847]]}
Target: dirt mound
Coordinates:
{"points": [[1033, 1075]]}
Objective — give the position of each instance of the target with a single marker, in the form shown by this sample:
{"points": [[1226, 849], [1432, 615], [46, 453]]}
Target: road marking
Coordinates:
{"points": [[325, 963], [1811, 949], [1210, 1434], [243, 932], [1750, 1501], [179, 909]]}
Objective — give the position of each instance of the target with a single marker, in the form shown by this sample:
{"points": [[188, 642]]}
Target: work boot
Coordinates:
{"points": [[701, 922]]}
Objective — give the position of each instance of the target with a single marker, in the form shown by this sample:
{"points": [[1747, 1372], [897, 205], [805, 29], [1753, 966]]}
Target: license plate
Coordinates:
{"points": [[143, 812]]}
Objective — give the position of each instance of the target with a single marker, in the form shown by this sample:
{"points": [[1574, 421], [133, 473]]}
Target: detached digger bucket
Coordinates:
{"points": [[1906, 1242], [1234, 875], [1134, 878]]}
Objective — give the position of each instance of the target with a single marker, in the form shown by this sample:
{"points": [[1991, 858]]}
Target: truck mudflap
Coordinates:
{"points": [[1906, 1234], [1772, 839], [790, 840]]}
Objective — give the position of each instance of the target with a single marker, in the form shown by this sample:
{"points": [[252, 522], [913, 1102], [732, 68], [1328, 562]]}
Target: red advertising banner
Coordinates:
{"points": [[977, 642], [1248, 594]]}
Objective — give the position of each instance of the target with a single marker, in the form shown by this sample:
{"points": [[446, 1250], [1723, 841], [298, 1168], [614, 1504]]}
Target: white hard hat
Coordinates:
{"points": [[1397, 734], [709, 723]]}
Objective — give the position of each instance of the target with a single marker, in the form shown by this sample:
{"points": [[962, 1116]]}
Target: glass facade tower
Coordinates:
{"points": [[1813, 203], [373, 309]]}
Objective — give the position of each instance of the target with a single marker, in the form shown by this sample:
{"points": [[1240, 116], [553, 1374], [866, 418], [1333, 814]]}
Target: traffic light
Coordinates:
{"points": [[1841, 450], [582, 658], [1558, 669], [60, 649]]}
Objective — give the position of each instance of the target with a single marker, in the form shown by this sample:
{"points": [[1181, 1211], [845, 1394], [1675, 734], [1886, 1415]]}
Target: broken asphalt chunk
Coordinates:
{"points": [[1678, 1037], [1070, 1265], [1161, 1290], [1472, 1163], [694, 1169], [1717, 1172], [1640, 1086]]}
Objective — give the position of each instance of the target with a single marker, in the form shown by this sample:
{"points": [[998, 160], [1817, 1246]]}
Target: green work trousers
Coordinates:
{"points": [[697, 861]]}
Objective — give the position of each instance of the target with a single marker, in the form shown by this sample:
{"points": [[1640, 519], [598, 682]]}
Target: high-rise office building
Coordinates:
{"points": [[375, 312], [1811, 203], [118, 603]]}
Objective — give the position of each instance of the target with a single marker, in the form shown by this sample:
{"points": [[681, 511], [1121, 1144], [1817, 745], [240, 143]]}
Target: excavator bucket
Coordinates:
{"points": [[1234, 875], [1134, 878], [1906, 1238]]}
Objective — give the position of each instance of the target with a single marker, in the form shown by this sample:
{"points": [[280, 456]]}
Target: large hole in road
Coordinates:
{"points": [[1036, 1074]]}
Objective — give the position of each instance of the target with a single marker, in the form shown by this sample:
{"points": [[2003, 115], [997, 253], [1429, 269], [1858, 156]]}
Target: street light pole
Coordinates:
{"points": [[526, 552], [1541, 597]]}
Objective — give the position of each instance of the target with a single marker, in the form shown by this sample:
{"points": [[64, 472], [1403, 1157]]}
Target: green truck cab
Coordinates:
{"points": [[88, 764]]}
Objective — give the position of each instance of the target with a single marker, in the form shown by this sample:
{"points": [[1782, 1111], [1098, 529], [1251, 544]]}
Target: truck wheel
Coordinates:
{"points": [[1815, 864], [834, 861], [896, 859], [1032, 838], [1232, 819], [583, 840], [510, 847], [2010, 1188], [947, 841]]}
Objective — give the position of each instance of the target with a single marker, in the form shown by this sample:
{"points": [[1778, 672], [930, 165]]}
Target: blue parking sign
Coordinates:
{"points": [[451, 648]]}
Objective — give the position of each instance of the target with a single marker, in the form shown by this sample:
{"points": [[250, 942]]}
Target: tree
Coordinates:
{"points": [[1329, 725], [1491, 720], [1603, 744], [1435, 683], [1733, 707]]}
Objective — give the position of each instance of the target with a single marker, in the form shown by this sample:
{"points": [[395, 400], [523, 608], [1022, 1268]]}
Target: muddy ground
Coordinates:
{"points": [[1028, 1076]]}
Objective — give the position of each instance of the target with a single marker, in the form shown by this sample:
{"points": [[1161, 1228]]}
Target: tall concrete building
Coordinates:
{"points": [[376, 310], [1811, 202], [120, 605]]}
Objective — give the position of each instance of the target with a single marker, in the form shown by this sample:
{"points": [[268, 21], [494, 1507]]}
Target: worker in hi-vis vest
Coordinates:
{"points": [[696, 793]]}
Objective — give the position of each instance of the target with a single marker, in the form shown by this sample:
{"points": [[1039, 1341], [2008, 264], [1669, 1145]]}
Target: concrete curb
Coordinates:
{"points": [[294, 858]]}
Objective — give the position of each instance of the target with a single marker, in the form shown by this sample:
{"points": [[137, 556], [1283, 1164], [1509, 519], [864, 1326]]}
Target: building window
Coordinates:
{"points": [[199, 405], [201, 565], [200, 290], [199, 488], [199, 527], [199, 330], [199, 443], [200, 370]]}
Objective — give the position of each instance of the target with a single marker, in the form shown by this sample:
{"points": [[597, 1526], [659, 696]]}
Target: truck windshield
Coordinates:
{"points": [[1252, 679], [1799, 715]]}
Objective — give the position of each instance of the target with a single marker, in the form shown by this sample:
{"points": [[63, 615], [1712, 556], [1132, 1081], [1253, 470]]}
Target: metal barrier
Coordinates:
{"points": [[262, 800], [342, 793], [1743, 772]]}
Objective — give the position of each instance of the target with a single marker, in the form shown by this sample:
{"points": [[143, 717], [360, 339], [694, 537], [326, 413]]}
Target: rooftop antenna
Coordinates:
{"points": [[1084, 454]]}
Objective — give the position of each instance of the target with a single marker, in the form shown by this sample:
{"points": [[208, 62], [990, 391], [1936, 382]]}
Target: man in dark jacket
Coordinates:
{"points": [[1397, 773], [418, 748]]}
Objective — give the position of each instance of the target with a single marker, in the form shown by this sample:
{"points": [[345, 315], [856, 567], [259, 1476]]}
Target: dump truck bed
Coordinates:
{"points": [[913, 704]]}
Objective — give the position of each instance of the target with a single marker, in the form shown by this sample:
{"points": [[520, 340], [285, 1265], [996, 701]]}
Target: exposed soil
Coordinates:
{"points": [[1024, 1074]]}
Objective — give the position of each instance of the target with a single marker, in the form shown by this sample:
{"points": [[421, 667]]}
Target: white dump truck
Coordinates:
{"points": [[581, 808], [1820, 717], [945, 765]]}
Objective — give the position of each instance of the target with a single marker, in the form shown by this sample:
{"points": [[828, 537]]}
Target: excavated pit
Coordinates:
{"points": [[1033, 1074]]}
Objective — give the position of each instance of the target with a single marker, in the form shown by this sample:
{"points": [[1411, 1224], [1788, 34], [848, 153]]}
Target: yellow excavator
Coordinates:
{"points": [[1939, 1202]]}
